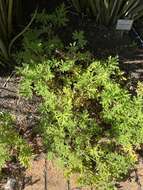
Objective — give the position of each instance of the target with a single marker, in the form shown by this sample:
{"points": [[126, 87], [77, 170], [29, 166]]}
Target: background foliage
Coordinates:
{"points": [[10, 12], [8, 9], [107, 12]]}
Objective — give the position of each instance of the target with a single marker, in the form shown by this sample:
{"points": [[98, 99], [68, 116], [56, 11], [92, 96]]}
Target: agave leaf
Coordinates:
{"points": [[93, 7], [105, 12], [77, 5], [106, 3], [3, 12], [115, 10], [2, 28], [10, 11], [97, 4], [3, 60], [99, 9], [137, 12], [134, 5], [126, 8], [3, 49], [6, 15], [84, 4], [109, 11]]}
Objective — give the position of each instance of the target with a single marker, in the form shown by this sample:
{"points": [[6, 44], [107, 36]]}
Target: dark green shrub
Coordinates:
{"points": [[41, 40]]}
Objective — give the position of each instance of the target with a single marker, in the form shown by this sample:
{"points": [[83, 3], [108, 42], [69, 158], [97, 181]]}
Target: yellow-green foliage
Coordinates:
{"points": [[11, 143], [88, 121]]}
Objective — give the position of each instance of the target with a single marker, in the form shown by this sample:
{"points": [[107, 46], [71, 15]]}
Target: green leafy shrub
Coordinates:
{"points": [[88, 121], [41, 40], [107, 12], [11, 143]]}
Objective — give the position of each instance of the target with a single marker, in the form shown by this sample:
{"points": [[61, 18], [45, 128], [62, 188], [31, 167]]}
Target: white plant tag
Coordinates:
{"points": [[124, 24]]}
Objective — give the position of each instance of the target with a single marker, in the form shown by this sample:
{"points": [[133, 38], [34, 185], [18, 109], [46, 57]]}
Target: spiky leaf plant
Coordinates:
{"points": [[107, 12], [8, 11]]}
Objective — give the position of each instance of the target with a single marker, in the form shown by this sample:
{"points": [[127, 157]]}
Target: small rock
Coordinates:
{"points": [[10, 185], [135, 75]]}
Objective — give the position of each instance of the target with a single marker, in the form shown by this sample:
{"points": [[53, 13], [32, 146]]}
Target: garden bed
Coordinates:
{"points": [[69, 101], [26, 117]]}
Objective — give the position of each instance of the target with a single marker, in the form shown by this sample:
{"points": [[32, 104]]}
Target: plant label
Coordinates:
{"points": [[124, 24]]}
